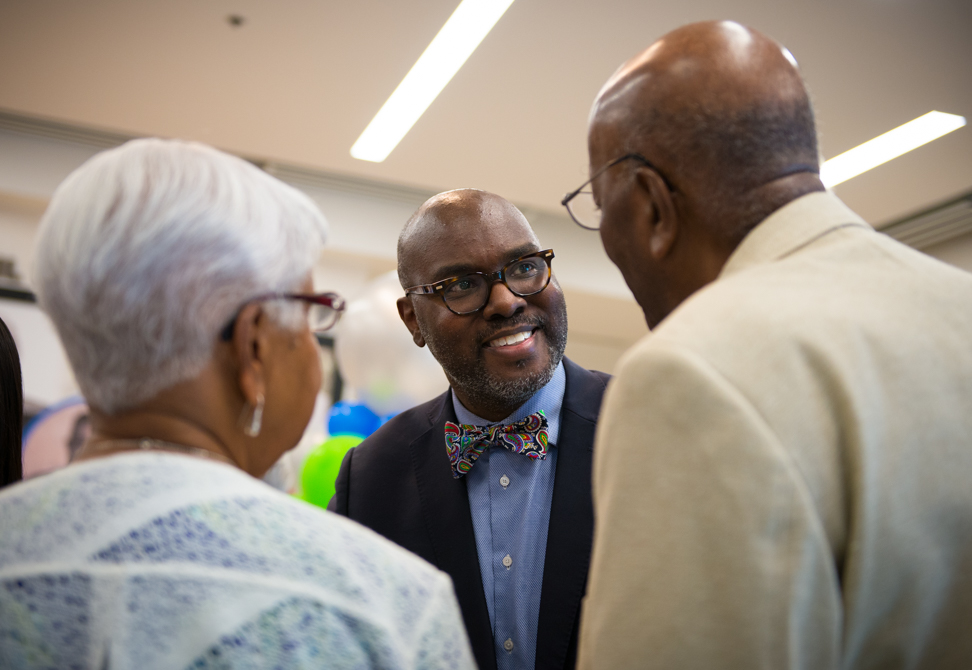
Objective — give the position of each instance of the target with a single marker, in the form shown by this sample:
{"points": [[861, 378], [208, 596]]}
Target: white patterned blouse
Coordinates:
{"points": [[156, 560]]}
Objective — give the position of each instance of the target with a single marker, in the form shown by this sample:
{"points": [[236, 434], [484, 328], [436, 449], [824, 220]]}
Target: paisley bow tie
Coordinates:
{"points": [[466, 443]]}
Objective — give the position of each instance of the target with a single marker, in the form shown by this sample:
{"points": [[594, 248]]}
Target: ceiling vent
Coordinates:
{"points": [[935, 225], [292, 174], [37, 127]]}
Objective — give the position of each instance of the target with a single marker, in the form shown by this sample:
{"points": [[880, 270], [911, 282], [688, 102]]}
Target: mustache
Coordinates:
{"points": [[514, 321]]}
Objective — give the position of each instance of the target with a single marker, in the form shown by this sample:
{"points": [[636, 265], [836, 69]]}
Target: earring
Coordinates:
{"points": [[256, 421]]}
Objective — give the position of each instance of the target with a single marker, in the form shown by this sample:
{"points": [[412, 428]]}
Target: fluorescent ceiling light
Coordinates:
{"points": [[459, 37], [890, 145]]}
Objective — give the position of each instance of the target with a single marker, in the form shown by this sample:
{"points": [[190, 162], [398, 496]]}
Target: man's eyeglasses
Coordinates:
{"points": [[525, 276], [323, 311], [580, 203]]}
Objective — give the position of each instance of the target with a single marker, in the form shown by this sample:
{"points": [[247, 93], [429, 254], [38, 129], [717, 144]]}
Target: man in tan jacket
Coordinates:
{"points": [[783, 467]]}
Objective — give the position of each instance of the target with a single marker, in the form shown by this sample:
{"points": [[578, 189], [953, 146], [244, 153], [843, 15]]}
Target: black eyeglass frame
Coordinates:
{"points": [[332, 300], [573, 194], [440, 287]]}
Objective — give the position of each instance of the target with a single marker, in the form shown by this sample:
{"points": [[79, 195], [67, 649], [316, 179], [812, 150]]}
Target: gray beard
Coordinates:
{"points": [[473, 381]]}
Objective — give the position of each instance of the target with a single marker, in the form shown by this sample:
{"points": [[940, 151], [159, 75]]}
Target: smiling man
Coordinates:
{"points": [[491, 480]]}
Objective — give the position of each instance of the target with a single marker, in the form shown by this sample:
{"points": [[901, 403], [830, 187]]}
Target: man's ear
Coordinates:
{"points": [[664, 224], [407, 313], [251, 346]]}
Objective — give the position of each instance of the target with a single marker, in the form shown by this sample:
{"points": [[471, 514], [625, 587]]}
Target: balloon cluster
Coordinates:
{"points": [[348, 424]]}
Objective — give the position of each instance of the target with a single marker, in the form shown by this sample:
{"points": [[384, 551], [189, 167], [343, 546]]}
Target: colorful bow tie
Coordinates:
{"points": [[466, 443]]}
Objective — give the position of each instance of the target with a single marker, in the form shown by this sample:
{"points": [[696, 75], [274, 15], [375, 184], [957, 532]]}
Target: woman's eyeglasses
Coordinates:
{"points": [[324, 310]]}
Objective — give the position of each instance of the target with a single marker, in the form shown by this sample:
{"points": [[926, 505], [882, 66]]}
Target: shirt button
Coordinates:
{"points": [[504, 481], [507, 561], [508, 645]]}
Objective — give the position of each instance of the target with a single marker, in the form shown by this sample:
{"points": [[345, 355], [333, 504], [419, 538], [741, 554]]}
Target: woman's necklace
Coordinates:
{"points": [[148, 444]]}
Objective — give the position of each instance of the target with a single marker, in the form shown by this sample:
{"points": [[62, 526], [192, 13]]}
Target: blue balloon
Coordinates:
{"points": [[352, 418]]}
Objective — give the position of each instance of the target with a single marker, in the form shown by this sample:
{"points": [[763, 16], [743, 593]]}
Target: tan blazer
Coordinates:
{"points": [[783, 468]]}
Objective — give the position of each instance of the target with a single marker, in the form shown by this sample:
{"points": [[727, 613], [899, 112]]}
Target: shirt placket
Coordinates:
{"points": [[503, 490]]}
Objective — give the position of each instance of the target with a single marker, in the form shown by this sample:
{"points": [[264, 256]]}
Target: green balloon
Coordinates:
{"points": [[320, 470]]}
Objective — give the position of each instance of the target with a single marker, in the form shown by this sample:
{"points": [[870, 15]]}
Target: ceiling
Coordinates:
{"points": [[300, 79]]}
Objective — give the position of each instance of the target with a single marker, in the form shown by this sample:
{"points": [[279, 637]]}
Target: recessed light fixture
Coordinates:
{"points": [[459, 37], [888, 146]]}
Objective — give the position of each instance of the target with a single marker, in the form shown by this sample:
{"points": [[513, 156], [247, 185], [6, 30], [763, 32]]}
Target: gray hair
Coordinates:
{"points": [[147, 250]]}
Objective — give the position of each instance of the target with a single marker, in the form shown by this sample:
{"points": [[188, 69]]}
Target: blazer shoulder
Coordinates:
{"points": [[584, 375], [585, 390], [404, 428]]}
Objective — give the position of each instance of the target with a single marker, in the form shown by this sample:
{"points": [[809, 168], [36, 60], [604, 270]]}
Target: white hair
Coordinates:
{"points": [[148, 250]]}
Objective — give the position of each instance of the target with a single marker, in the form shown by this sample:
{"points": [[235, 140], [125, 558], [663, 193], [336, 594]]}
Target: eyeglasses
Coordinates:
{"points": [[580, 203], [525, 276], [324, 310]]}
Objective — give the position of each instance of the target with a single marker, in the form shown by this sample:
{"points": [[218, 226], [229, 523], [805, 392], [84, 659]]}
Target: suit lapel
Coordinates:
{"points": [[571, 527], [445, 509]]}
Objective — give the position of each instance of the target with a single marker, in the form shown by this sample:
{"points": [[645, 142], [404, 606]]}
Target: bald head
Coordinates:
{"points": [[720, 117], [721, 66], [720, 108], [469, 212]]}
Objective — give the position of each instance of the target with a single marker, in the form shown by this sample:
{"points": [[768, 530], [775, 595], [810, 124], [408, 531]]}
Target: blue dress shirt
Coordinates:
{"points": [[509, 496]]}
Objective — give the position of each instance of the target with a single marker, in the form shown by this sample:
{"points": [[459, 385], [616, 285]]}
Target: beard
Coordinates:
{"points": [[472, 379]]}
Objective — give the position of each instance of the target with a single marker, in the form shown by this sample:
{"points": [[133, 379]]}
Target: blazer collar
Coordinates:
{"points": [[445, 509], [584, 391], [571, 529], [792, 227]]}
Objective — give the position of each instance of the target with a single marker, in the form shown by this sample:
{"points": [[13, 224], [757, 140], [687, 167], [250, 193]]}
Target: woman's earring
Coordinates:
{"points": [[256, 421]]}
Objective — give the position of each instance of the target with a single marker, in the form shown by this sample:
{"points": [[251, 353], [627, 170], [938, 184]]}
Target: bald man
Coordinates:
{"points": [[783, 471], [491, 480]]}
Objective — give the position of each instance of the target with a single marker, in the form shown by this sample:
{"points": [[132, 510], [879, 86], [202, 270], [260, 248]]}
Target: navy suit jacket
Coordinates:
{"points": [[398, 482]]}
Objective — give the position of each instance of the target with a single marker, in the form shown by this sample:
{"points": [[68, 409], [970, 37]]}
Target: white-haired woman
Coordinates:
{"points": [[179, 280]]}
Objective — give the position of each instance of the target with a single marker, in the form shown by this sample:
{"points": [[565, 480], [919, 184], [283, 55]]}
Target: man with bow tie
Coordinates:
{"points": [[491, 481]]}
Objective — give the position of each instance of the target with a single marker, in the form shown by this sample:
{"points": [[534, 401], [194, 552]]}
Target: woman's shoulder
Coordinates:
{"points": [[131, 505], [174, 512], [195, 537]]}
